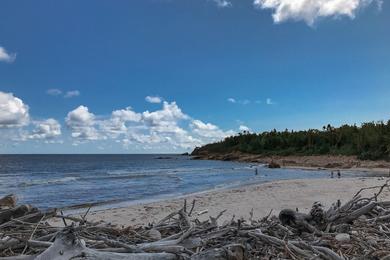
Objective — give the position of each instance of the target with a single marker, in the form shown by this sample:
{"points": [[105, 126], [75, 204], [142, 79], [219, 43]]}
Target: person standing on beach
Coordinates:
{"points": [[338, 174], [256, 171], [331, 174]]}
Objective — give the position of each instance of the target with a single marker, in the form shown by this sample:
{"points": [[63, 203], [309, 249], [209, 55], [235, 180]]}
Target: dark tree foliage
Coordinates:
{"points": [[370, 141]]}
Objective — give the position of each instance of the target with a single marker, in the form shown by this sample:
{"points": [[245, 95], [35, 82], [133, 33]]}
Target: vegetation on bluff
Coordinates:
{"points": [[370, 141]]}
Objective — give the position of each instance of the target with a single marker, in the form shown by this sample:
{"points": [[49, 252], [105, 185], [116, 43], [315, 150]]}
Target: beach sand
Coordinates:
{"points": [[276, 195]]}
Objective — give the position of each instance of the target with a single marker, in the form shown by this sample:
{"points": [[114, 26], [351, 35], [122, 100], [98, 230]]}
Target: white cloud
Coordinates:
{"points": [[269, 101], [223, 3], [116, 125], [72, 93], [244, 128], [311, 10], [82, 124], [5, 56], [209, 130], [166, 128], [13, 112], [54, 92], [127, 115], [242, 102], [163, 126], [80, 117], [162, 118], [46, 129], [153, 99], [231, 100]]}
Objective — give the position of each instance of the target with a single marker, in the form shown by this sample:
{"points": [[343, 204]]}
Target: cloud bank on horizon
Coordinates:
{"points": [[168, 126]]}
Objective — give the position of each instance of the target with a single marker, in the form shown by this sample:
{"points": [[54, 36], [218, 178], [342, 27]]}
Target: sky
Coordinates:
{"points": [[165, 76]]}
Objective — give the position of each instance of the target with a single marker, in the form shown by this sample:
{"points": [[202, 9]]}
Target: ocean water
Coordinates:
{"points": [[48, 181]]}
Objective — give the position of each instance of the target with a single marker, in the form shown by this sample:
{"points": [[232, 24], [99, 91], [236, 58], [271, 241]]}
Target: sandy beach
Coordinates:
{"points": [[239, 202]]}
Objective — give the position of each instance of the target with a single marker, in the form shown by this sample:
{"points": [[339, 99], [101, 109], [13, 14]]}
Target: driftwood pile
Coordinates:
{"points": [[358, 229]]}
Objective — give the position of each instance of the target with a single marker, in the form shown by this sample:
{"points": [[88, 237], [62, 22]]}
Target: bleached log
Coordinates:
{"points": [[357, 213], [68, 246]]}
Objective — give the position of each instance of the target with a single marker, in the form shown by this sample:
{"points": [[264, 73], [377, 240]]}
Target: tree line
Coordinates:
{"points": [[369, 141]]}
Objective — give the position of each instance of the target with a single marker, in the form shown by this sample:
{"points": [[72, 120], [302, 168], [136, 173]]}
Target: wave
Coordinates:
{"points": [[173, 171], [129, 176], [46, 182]]}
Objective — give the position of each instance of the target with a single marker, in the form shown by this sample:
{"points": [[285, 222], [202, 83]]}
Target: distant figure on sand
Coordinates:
{"points": [[256, 171], [332, 174], [338, 174]]}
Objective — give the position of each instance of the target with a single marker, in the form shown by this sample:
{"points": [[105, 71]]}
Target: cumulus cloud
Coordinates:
{"points": [[311, 10], [5, 56], [153, 99], [209, 130], [168, 127], [163, 126], [54, 92], [46, 129], [164, 117], [72, 93], [127, 115], [13, 112], [116, 125], [82, 124], [223, 3], [244, 128]]}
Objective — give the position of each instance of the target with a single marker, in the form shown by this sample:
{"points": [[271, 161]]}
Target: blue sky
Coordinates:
{"points": [[75, 75]]}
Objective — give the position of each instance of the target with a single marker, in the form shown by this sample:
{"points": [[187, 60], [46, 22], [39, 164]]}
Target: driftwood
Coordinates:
{"points": [[357, 229], [68, 246], [16, 212], [8, 201]]}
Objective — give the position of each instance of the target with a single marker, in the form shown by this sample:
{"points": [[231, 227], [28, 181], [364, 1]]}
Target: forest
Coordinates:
{"points": [[369, 141]]}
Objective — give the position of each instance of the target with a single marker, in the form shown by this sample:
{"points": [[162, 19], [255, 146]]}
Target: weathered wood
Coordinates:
{"points": [[229, 252], [68, 246], [16, 212], [8, 201], [294, 235]]}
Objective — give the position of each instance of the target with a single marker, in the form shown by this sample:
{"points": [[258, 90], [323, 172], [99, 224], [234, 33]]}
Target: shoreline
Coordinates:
{"points": [[102, 206], [215, 200], [306, 162], [262, 198]]}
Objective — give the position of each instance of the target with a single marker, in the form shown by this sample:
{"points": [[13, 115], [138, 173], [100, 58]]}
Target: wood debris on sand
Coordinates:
{"points": [[357, 229]]}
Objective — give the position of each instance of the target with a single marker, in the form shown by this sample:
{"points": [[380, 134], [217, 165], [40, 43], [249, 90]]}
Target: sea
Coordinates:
{"points": [[107, 181]]}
